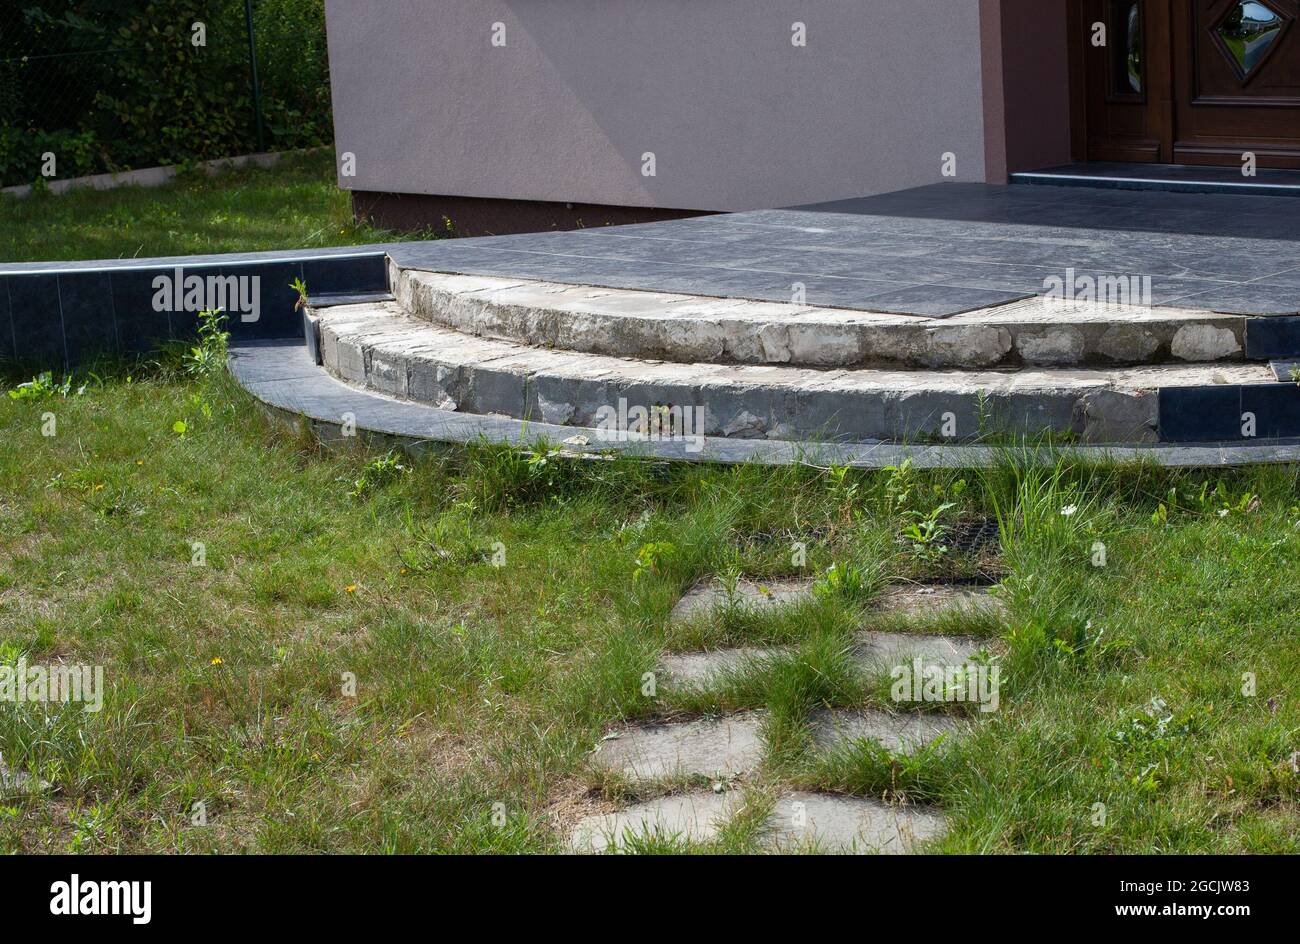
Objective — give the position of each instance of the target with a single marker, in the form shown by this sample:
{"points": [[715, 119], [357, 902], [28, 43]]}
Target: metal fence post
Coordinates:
{"points": [[252, 61]]}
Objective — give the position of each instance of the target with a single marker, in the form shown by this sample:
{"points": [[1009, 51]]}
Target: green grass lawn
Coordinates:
{"points": [[317, 647], [296, 204], [479, 685]]}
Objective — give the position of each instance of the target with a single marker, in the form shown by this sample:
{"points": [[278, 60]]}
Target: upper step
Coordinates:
{"points": [[381, 347], [1036, 332]]}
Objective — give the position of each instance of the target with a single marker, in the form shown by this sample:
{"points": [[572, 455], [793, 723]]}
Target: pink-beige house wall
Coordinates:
{"points": [[736, 116]]}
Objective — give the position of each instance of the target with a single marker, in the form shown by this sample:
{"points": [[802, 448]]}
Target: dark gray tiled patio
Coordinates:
{"points": [[933, 251]]}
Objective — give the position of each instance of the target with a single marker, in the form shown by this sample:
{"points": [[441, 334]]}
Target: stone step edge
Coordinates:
{"points": [[290, 388], [382, 348], [689, 329]]}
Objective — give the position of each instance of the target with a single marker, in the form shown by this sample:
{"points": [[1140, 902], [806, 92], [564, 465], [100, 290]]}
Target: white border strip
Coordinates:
{"points": [[1197, 186], [198, 262]]}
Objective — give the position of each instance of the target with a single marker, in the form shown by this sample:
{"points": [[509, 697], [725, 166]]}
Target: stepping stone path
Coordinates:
{"points": [[701, 668], [933, 601], [693, 816], [19, 783], [799, 820], [903, 733], [872, 652], [728, 748], [721, 749], [881, 651], [848, 824], [754, 595]]}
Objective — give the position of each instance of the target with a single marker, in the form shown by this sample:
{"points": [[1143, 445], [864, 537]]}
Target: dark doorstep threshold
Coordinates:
{"points": [[1172, 178]]}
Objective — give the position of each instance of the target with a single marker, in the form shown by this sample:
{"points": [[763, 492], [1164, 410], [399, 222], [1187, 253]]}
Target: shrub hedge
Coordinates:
{"points": [[107, 86]]}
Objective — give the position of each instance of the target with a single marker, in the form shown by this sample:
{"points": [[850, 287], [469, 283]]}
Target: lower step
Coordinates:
{"points": [[380, 347]]}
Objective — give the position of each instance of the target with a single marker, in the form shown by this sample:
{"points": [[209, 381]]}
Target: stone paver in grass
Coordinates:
{"points": [[902, 733], [702, 668], [695, 817], [872, 649], [849, 825], [926, 601], [882, 651], [719, 748], [19, 782], [754, 595]]}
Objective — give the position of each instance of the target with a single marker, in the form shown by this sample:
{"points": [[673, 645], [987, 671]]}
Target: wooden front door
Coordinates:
{"points": [[1188, 81]]}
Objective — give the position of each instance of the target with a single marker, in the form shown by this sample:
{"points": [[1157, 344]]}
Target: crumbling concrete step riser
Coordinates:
{"points": [[685, 329], [381, 348]]}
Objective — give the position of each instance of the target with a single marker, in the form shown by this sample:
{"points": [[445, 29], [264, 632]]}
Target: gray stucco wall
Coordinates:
{"points": [[737, 117]]}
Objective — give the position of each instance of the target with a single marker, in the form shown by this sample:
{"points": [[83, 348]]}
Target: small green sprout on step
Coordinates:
{"points": [[208, 357], [842, 580], [926, 533], [299, 286]]}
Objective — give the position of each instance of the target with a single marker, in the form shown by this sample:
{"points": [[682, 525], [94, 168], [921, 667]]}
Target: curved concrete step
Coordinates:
{"points": [[381, 347], [691, 329], [285, 380]]}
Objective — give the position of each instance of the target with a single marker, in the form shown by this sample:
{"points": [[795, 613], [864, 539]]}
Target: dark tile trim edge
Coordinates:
{"points": [[130, 293]]}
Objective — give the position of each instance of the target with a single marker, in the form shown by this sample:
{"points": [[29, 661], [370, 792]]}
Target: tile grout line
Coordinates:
{"points": [[63, 328], [13, 330]]}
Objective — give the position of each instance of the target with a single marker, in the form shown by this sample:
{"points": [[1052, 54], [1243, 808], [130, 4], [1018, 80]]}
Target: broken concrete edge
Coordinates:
{"points": [[280, 376], [692, 329]]}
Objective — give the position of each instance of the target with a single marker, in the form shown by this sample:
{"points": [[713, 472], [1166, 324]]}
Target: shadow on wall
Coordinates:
{"points": [[729, 113], [670, 103]]}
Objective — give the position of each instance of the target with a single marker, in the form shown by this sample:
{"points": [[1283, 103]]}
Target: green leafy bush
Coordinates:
{"points": [[108, 86]]}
